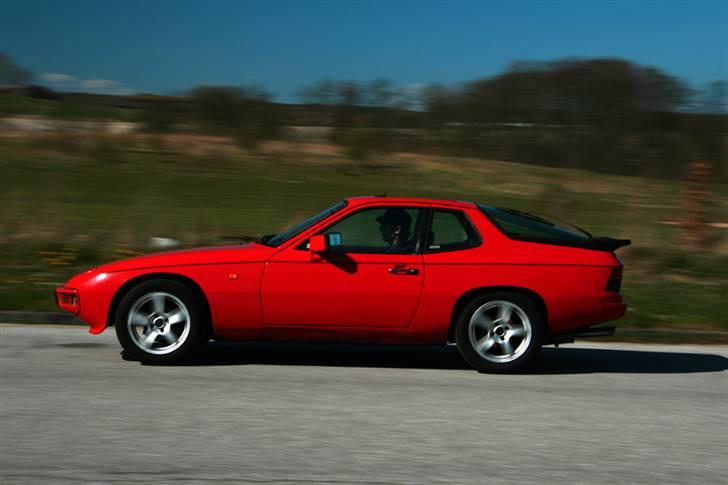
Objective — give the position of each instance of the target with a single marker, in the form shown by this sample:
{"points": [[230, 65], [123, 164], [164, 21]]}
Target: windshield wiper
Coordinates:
{"points": [[265, 238], [242, 238]]}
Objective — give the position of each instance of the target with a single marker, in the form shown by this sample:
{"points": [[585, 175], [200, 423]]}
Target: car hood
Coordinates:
{"points": [[245, 253]]}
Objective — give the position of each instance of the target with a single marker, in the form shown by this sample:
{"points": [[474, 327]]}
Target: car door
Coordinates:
{"points": [[363, 281]]}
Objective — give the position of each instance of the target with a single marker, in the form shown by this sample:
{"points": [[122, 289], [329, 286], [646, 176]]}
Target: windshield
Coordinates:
{"points": [[279, 239], [523, 225]]}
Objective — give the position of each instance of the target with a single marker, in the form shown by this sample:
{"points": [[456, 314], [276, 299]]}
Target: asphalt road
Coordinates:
{"points": [[72, 411]]}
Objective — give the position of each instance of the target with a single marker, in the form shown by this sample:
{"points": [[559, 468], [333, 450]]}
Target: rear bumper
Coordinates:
{"points": [[611, 308], [610, 311]]}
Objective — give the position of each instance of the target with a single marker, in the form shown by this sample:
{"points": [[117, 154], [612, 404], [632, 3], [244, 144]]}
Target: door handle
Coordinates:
{"points": [[403, 270]]}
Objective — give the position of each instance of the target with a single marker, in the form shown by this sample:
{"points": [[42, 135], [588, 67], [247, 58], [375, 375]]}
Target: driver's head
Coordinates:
{"points": [[394, 223]]}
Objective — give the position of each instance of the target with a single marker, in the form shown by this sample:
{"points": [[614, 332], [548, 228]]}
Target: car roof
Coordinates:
{"points": [[383, 199]]}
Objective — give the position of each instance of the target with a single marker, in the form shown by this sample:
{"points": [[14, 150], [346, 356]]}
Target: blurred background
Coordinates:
{"points": [[133, 127]]}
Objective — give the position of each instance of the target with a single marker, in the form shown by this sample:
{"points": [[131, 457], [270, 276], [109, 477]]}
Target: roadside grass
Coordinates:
{"points": [[63, 211]]}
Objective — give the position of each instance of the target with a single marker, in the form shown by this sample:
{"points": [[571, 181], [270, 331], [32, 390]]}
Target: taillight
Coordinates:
{"points": [[614, 283]]}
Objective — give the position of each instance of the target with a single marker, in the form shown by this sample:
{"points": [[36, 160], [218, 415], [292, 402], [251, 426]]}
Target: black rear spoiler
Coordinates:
{"points": [[607, 244], [603, 243]]}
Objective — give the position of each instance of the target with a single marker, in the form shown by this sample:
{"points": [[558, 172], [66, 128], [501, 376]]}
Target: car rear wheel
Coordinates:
{"points": [[160, 321], [499, 332]]}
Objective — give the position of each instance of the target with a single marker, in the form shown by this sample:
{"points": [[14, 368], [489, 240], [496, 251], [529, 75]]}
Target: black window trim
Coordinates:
{"points": [[476, 243], [425, 214]]}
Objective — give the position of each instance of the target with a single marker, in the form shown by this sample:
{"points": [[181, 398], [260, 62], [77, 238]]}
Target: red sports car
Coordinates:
{"points": [[498, 282]]}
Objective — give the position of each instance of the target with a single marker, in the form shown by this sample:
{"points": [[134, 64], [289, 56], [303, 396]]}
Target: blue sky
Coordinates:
{"points": [[167, 46]]}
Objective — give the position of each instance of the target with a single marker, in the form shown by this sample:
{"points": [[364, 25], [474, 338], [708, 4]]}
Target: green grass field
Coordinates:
{"points": [[64, 208]]}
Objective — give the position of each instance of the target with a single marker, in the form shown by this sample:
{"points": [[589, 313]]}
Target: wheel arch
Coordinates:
{"points": [[185, 280], [469, 295]]}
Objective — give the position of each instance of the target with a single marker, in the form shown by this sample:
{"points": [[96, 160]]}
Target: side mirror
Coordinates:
{"points": [[317, 245], [321, 243]]}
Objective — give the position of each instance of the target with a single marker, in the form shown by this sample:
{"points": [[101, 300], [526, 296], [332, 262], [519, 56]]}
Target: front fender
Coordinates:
{"points": [[95, 290], [232, 291]]}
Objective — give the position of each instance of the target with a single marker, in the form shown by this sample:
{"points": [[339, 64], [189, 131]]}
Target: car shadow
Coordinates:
{"points": [[562, 360]]}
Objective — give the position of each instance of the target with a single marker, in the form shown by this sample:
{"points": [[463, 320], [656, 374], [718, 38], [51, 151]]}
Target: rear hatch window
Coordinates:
{"points": [[525, 226]]}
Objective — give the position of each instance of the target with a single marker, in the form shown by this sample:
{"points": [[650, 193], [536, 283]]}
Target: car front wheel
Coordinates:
{"points": [[160, 321], [499, 332]]}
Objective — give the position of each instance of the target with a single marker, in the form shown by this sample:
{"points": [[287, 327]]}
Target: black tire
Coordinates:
{"points": [[161, 341], [499, 336]]}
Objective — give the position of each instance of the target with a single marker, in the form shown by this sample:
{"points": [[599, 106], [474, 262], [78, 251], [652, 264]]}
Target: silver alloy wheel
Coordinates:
{"points": [[159, 323], [500, 331]]}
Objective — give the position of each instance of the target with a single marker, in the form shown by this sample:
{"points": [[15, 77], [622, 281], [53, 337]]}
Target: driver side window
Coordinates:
{"points": [[387, 230]]}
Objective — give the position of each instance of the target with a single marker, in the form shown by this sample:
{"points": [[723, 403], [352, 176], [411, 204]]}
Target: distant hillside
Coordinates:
{"points": [[26, 101], [559, 115]]}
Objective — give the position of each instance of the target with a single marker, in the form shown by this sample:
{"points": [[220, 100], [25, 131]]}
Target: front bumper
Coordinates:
{"points": [[67, 299], [88, 297]]}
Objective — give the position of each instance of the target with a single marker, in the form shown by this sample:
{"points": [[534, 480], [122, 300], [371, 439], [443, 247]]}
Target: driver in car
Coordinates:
{"points": [[394, 225]]}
